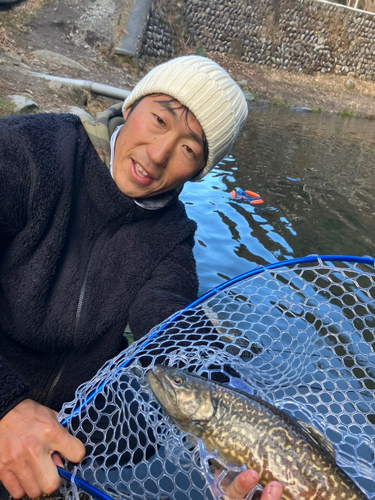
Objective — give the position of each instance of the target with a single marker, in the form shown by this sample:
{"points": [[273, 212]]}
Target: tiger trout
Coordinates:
{"points": [[247, 430]]}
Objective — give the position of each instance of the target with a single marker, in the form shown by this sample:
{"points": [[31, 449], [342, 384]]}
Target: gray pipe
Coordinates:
{"points": [[96, 88]]}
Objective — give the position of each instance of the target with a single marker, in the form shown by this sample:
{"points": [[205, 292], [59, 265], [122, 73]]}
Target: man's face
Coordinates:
{"points": [[159, 148]]}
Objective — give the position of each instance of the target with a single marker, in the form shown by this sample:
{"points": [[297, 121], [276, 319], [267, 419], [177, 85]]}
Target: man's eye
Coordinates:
{"points": [[159, 120], [189, 150]]}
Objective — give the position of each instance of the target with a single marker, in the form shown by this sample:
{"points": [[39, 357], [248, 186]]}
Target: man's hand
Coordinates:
{"points": [[29, 436], [246, 481]]}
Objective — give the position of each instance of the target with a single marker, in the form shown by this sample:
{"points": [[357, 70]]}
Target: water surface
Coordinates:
{"points": [[315, 174]]}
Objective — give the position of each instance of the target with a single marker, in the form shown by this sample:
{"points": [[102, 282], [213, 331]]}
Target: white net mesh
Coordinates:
{"points": [[302, 337]]}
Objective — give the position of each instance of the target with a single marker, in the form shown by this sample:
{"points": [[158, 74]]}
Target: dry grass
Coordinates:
{"points": [[14, 20]]}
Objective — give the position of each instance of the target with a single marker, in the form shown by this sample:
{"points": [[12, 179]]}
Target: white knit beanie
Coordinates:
{"points": [[208, 92]]}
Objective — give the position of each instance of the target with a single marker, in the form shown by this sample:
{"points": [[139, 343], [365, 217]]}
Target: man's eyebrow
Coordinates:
{"points": [[168, 105], [197, 138]]}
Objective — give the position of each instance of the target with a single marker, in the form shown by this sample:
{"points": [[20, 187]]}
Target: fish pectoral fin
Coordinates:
{"points": [[324, 443], [198, 430]]}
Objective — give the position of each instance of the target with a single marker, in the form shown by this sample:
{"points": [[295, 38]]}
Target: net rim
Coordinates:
{"points": [[254, 272]]}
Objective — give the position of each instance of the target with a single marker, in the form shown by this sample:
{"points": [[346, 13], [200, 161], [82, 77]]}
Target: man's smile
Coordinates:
{"points": [[140, 170], [140, 173]]}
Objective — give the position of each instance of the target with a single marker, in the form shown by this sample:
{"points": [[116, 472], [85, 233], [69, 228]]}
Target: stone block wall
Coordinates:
{"points": [[306, 36], [159, 40]]}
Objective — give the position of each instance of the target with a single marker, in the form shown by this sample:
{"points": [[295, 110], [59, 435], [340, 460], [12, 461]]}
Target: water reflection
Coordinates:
{"points": [[315, 175]]}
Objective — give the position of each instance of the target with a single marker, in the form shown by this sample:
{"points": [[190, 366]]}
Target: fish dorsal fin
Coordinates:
{"points": [[324, 443]]}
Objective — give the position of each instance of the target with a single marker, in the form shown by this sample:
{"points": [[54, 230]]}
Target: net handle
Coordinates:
{"points": [[83, 485]]}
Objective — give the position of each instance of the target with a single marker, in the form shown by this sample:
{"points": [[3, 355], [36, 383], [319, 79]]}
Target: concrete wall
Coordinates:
{"points": [[306, 36]]}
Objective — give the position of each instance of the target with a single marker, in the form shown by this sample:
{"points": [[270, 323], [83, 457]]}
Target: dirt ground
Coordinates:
{"points": [[82, 30], [87, 30]]}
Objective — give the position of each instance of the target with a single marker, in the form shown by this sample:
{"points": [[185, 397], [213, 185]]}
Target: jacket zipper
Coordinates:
{"points": [[82, 295], [48, 398]]}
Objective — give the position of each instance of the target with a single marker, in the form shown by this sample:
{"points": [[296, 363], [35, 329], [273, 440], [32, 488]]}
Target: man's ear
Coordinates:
{"points": [[126, 112]]}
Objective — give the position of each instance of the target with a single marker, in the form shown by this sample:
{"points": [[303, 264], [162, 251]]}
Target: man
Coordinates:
{"points": [[92, 237]]}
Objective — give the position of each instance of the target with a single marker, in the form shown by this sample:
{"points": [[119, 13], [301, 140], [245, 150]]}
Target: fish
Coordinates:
{"points": [[244, 429]]}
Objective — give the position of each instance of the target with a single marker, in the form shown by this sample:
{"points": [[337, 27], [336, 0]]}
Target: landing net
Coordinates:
{"points": [[301, 334]]}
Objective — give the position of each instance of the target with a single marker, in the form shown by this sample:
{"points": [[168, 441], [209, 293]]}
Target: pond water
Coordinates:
{"points": [[315, 173]]}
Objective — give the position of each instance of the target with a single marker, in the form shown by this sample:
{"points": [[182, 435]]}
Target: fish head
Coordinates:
{"points": [[185, 397]]}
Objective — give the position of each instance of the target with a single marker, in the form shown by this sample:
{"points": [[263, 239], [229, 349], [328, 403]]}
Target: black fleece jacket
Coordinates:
{"points": [[78, 260]]}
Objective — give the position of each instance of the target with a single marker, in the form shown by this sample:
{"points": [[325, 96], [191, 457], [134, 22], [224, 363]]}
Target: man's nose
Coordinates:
{"points": [[160, 151]]}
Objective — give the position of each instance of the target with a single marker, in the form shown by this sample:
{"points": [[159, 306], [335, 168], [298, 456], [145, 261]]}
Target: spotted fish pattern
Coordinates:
{"points": [[247, 430]]}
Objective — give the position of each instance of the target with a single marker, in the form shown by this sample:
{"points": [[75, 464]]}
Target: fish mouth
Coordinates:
{"points": [[155, 372], [152, 375], [161, 386]]}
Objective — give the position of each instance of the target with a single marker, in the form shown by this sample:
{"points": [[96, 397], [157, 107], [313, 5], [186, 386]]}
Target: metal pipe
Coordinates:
{"points": [[96, 88]]}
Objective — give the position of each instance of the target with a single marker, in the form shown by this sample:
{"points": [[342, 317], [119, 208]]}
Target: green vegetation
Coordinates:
{"points": [[129, 337], [249, 97], [316, 110], [6, 107], [280, 101], [346, 112], [200, 52]]}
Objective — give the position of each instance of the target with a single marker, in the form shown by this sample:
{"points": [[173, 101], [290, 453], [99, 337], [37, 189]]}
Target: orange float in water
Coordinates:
{"points": [[246, 195]]}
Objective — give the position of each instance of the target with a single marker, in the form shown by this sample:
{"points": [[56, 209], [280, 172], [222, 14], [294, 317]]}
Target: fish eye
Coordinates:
{"points": [[177, 380]]}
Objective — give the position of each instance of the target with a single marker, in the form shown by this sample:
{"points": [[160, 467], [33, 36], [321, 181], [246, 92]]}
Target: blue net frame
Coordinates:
{"points": [[299, 333]]}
